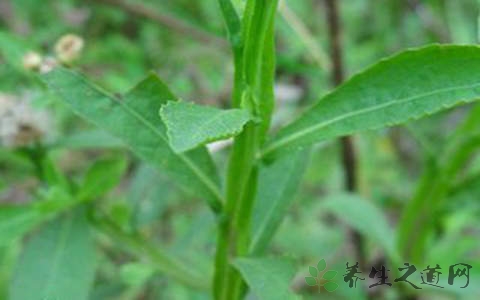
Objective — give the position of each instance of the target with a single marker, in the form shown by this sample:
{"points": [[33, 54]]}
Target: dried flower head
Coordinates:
{"points": [[68, 47], [32, 60], [20, 124]]}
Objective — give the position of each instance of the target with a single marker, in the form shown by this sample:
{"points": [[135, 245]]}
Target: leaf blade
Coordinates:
{"points": [[135, 120], [101, 177], [278, 184], [58, 263], [15, 221], [189, 125], [406, 86], [269, 278], [364, 217]]}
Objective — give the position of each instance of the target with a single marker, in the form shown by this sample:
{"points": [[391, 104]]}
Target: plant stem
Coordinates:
{"points": [[234, 233], [349, 158], [253, 90]]}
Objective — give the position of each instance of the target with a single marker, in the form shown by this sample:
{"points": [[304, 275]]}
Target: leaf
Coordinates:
{"points": [[189, 125], [364, 217], [330, 286], [277, 186], [311, 281], [18, 220], [233, 26], [322, 265], [313, 271], [88, 139], [329, 275], [136, 122], [409, 85], [136, 274], [102, 176], [13, 49], [15, 221], [149, 195], [57, 263], [55, 200], [267, 277]]}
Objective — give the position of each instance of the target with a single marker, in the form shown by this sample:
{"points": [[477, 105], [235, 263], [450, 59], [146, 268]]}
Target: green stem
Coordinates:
{"points": [[234, 233], [253, 50]]}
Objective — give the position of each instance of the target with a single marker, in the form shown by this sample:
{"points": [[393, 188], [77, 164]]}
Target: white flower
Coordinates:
{"points": [[32, 60], [68, 47]]}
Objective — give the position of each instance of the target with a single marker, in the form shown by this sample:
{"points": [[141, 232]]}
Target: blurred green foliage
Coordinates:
{"points": [[77, 167]]}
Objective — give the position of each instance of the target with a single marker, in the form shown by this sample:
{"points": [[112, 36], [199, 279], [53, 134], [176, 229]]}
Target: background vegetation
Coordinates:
{"points": [[51, 160]]}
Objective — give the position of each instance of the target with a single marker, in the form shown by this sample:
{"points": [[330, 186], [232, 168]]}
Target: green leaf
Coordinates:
{"points": [[233, 26], [322, 265], [15, 221], [55, 200], [57, 263], [102, 176], [330, 286], [149, 195], [311, 281], [313, 271], [88, 139], [364, 217], [189, 125], [136, 274], [278, 183], [268, 278], [329, 275], [136, 122], [13, 49], [409, 85]]}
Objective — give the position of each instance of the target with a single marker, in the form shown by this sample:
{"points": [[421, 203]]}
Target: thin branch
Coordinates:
{"points": [[139, 10], [348, 150], [313, 47]]}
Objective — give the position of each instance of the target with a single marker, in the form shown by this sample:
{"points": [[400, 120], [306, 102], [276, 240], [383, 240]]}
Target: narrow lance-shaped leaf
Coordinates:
{"points": [[136, 122], [101, 177], [233, 25], [189, 125], [15, 221], [95, 139], [13, 49], [364, 217], [277, 186], [269, 278], [59, 262], [409, 85]]}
